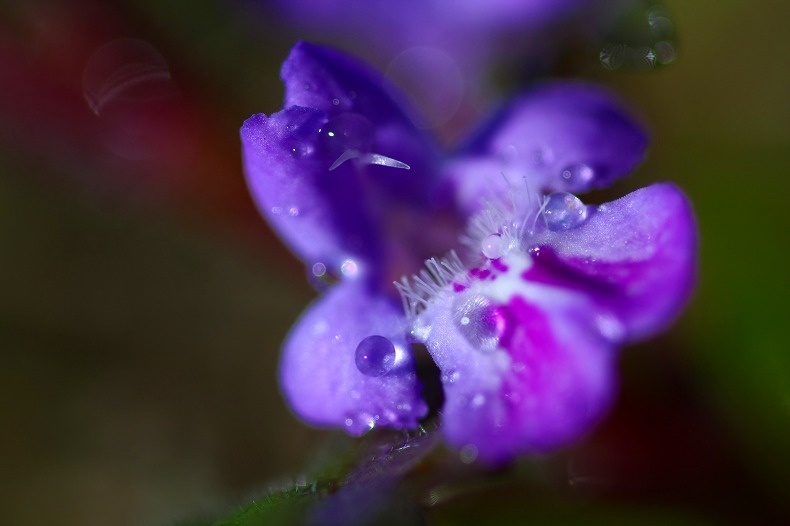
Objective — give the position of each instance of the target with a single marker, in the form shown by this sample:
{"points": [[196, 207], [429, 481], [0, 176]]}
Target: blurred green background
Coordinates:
{"points": [[143, 300]]}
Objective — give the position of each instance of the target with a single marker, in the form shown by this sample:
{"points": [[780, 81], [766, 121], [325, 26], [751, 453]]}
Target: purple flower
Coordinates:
{"points": [[525, 320]]}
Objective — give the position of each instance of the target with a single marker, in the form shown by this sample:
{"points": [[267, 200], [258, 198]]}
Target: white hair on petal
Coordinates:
{"points": [[416, 292]]}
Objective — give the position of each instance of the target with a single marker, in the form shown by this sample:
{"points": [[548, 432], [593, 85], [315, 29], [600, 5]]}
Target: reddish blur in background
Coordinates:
{"points": [[144, 301]]}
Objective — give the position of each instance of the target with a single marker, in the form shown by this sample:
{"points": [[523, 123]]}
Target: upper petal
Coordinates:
{"points": [[315, 168], [636, 256], [339, 85], [558, 137], [315, 211], [319, 374]]}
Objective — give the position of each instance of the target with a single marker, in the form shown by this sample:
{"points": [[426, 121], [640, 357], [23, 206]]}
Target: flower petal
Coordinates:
{"points": [[347, 89], [550, 378], [636, 256], [559, 137], [307, 205], [330, 170], [319, 373]]}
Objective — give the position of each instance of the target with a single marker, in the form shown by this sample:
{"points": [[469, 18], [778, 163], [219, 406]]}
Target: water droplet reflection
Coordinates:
{"points": [[493, 246], [564, 211], [479, 321], [375, 356]]}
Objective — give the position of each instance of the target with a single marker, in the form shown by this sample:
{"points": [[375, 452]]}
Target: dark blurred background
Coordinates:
{"points": [[143, 300]]}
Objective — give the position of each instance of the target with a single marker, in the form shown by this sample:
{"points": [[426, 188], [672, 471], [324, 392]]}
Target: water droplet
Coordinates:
{"points": [[468, 453], [349, 131], [493, 246], [277, 210], [479, 321], [375, 356], [508, 154], [319, 269], [665, 52], [660, 23], [349, 422], [125, 73], [336, 102], [293, 211], [576, 176], [349, 268], [564, 211], [451, 377], [420, 331], [478, 400], [300, 149]]}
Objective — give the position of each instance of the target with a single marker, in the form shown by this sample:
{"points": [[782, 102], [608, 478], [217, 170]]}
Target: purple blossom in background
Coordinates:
{"points": [[440, 49], [525, 318]]}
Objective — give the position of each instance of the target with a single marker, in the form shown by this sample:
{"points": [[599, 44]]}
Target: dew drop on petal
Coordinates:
{"points": [[375, 356], [564, 211], [451, 377], [493, 246], [576, 175], [300, 149], [479, 321], [293, 211]]}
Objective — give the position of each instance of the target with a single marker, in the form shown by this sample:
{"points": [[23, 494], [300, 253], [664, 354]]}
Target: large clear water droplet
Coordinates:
{"points": [[479, 321], [493, 246], [576, 176], [564, 211], [348, 131], [375, 356]]}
